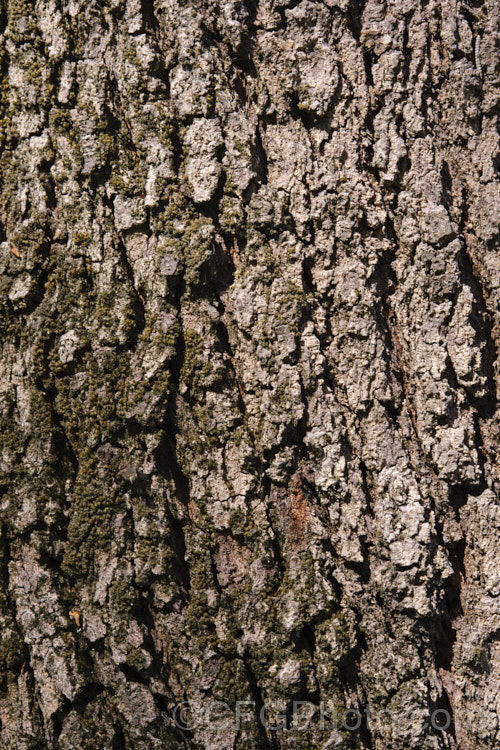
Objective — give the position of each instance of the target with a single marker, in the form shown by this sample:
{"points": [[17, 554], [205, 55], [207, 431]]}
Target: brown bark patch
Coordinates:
{"points": [[295, 514], [232, 560]]}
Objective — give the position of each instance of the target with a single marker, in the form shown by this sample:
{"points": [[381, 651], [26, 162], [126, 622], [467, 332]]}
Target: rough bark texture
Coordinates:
{"points": [[248, 378]]}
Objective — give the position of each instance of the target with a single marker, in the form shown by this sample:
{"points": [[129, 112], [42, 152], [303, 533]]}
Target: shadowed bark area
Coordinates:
{"points": [[250, 292]]}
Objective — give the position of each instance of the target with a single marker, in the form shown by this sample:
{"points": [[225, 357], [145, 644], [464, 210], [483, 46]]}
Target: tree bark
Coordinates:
{"points": [[249, 440]]}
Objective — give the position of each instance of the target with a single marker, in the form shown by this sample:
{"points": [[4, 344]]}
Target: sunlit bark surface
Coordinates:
{"points": [[250, 293]]}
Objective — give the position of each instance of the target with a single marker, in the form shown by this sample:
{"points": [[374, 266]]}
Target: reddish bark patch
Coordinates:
{"points": [[295, 514]]}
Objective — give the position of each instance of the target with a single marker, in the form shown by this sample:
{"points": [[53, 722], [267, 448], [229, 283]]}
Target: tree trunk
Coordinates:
{"points": [[248, 376]]}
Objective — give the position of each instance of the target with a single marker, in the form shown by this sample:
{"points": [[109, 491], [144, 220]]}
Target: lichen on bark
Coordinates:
{"points": [[248, 374]]}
